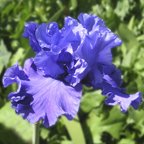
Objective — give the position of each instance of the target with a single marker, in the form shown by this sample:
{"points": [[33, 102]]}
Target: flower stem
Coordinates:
{"points": [[35, 139]]}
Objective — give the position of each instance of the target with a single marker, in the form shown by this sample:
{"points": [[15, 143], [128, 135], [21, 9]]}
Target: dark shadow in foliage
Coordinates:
{"points": [[140, 140], [9, 136], [136, 132], [86, 129], [82, 7], [55, 134], [108, 139]]}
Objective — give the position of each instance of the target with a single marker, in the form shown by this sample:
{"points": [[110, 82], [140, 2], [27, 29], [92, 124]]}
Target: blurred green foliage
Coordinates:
{"points": [[96, 123]]}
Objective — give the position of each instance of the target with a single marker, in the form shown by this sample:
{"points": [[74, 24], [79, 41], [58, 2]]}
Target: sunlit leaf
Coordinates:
{"points": [[130, 43], [15, 130], [75, 130], [113, 124], [4, 55], [91, 100]]}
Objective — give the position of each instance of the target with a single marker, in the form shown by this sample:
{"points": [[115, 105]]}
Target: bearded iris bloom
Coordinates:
{"points": [[50, 84]]}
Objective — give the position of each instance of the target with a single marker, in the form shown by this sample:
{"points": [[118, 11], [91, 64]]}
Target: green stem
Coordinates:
{"points": [[35, 139]]}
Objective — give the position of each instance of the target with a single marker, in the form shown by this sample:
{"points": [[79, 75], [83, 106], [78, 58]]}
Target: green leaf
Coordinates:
{"points": [[140, 38], [7, 8], [4, 55], [57, 13], [18, 56], [122, 8], [111, 124], [130, 45], [91, 100], [14, 130], [126, 141], [131, 23], [73, 5], [75, 131], [66, 142]]}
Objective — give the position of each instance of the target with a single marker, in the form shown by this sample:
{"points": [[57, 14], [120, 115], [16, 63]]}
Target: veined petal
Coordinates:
{"points": [[42, 35], [41, 98], [51, 99], [95, 24], [107, 39]]}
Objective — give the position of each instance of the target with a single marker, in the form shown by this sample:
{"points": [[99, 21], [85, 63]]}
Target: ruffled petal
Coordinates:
{"points": [[115, 97], [51, 99], [94, 24], [96, 49], [73, 33], [90, 22], [45, 33], [97, 45], [12, 74], [111, 87], [29, 32], [41, 98], [42, 35], [107, 39]]}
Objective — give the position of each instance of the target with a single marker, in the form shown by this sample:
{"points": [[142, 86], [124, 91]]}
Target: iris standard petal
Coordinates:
{"points": [[98, 42], [42, 36], [94, 49], [86, 51], [90, 22], [45, 33], [29, 32], [105, 40], [73, 32]]}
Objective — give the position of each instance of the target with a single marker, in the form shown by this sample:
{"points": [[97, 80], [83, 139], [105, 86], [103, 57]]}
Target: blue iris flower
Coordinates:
{"points": [[50, 84]]}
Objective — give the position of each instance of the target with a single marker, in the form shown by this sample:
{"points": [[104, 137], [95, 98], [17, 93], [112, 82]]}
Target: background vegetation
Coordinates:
{"points": [[96, 123]]}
